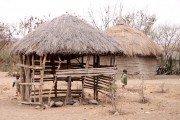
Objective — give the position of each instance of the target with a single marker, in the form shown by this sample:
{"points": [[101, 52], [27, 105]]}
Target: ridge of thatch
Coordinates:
{"points": [[67, 35], [135, 42]]}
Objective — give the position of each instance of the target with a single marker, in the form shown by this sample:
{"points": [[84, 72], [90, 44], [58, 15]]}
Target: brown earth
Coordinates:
{"points": [[162, 97]]}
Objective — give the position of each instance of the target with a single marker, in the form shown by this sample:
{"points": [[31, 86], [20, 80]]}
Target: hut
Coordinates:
{"points": [[58, 54], [141, 52]]}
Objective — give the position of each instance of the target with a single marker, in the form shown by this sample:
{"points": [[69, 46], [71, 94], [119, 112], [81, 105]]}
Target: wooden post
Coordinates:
{"points": [[68, 94], [84, 77], [42, 64], [82, 62], [32, 77], [54, 72], [27, 79], [82, 65], [96, 65], [21, 78], [97, 78], [94, 78]]}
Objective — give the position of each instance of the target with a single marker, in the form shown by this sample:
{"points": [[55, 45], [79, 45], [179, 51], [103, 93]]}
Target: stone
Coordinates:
{"points": [[45, 106], [51, 104], [116, 113], [75, 101], [95, 102], [76, 104], [37, 107], [58, 104]]}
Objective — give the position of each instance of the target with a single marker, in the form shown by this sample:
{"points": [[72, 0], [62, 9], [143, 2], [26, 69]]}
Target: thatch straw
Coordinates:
{"points": [[133, 41], [67, 35]]}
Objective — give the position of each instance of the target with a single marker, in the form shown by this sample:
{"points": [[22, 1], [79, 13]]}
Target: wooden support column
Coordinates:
{"points": [[97, 78], [94, 78], [84, 77], [27, 78], [32, 76], [21, 78], [42, 64], [82, 62], [54, 72], [68, 94], [96, 64]]}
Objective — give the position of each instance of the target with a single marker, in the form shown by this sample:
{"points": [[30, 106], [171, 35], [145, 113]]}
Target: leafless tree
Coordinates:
{"points": [[110, 14], [29, 24], [167, 37], [140, 20], [6, 34], [105, 16]]}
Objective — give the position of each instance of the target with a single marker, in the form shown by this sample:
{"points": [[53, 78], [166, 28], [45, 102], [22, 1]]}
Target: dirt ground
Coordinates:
{"points": [[162, 103]]}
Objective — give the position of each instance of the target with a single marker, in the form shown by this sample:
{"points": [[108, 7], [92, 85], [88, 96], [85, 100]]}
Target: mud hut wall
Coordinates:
{"points": [[137, 66]]}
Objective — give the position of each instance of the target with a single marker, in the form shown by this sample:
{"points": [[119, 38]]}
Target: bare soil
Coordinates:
{"points": [[162, 97]]}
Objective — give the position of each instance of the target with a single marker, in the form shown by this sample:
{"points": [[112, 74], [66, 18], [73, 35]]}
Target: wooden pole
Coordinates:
{"points": [[68, 94], [82, 62], [42, 64], [21, 78], [54, 72], [84, 78], [33, 75], [97, 78], [27, 79]]}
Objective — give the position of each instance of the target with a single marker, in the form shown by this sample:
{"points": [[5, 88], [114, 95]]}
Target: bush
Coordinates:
{"points": [[8, 61]]}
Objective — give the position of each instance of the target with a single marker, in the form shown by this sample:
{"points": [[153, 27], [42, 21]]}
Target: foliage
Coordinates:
{"points": [[170, 66]]}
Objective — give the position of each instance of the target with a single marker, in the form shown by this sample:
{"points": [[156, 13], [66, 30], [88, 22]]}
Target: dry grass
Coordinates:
{"points": [[67, 35], [133, 41]]}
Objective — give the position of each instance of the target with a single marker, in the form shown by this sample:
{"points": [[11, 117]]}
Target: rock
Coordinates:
{"points": [[147, 112], [75, 101], [76, 104], [58, 104], [152, 109], [37, 107], [45, 106], [51, 104], [95, 102], [116, 113]]}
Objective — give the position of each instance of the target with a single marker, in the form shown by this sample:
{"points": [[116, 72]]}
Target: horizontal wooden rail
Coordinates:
{"points": [[30, 67]]}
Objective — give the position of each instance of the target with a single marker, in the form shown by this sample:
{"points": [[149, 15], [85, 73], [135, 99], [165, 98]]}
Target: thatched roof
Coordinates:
{"points": [[134, 41], [67, 35]]}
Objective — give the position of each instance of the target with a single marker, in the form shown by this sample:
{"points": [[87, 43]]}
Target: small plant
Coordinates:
{"points": [[141, 91], [162, 88]]}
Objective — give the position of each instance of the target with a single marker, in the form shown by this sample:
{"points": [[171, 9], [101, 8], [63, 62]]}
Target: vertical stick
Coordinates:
{"points": [[84, 78], [98, 65], [94, 65], [42, 64], [21, 78], [82, 65], [54, 72], [82, 62], [33, 76], [28, 78], [68, 94]]}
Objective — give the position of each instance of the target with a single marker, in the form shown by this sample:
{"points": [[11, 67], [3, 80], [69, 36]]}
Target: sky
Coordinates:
{"points": [[11, 11]]}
